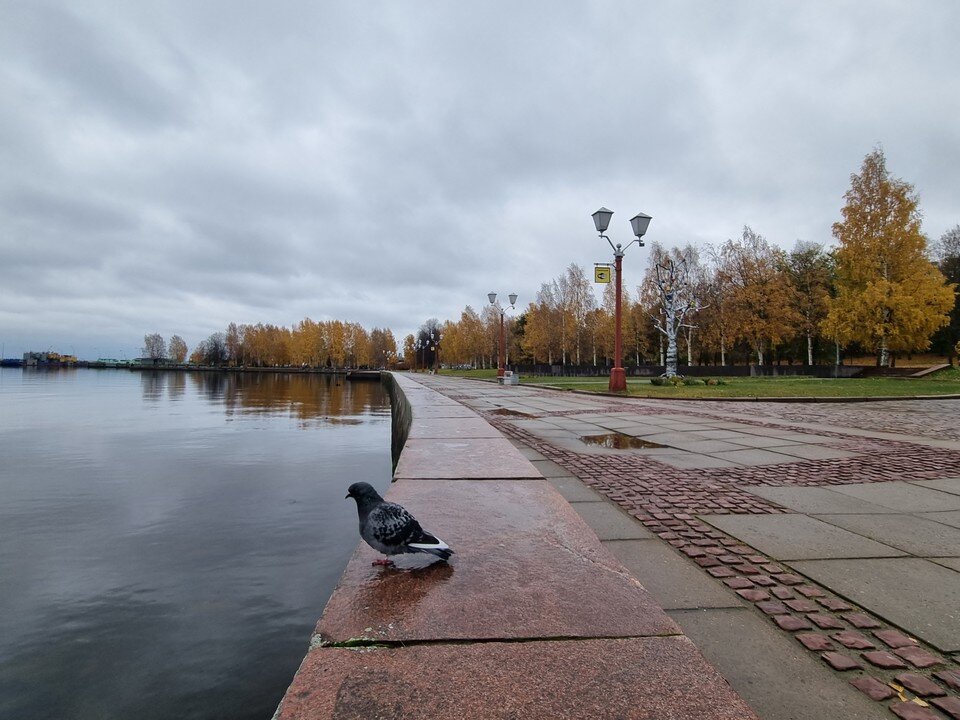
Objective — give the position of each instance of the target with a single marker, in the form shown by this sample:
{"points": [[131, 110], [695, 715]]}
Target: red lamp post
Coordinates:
{"points": [[639, 223], [501, 346]]}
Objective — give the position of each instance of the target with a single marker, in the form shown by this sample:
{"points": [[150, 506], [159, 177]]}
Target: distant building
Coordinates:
{"points": [[34, 359]]}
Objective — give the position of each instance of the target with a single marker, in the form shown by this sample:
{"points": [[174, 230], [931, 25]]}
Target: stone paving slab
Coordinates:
{"points": [[733, 435], [550, 469], [636, 429], [947, 485], [694, 461], [609, 522], [917, 595], [902, 496], [621, 424], [952, 563], [615, 679], [798, 537], [759, 441], [453, 428], [574, 490], [753, 456], [467, 458], [674, 582], [526, 566], [527, 452], [812, 452], [951, 518], [427, 412], [816, 500], [914, 535], [701, 446], [771, 671]]}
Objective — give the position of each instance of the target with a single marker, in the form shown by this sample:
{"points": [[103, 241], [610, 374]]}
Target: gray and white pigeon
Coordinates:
{"points": [[390, 529]]}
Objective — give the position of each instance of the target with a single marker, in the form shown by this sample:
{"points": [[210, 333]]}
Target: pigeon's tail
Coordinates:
{"points": [[433, 545]]}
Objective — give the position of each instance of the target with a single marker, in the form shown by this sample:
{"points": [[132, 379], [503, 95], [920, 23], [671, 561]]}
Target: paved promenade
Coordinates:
{"points": [[810, 551], [533, 617]]}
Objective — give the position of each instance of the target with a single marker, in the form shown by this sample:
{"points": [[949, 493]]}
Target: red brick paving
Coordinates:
{"points": [[853, 640], [918, 657], [950, 677], [839, 661], [791, 622], [827, 622], [920, 685], [895, 638], [814, 641], [861, 620], [873, 688], [949, 705], [912, 711], [883, 659]]}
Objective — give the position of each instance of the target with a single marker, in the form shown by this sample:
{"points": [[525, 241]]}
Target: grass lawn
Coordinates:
{"points": [[945, 382]]}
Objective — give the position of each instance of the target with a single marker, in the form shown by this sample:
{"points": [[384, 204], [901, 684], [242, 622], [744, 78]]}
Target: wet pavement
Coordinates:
{"points": [[533, 617], [812, 552]]}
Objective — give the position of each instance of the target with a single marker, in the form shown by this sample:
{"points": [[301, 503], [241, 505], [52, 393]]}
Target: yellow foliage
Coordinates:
{"points": [[889, 296]]}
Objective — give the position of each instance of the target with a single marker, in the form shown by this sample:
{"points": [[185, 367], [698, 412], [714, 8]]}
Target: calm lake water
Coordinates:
{"points": [[168, 540]]}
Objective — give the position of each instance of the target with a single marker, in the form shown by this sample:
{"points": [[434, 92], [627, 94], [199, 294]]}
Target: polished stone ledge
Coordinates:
{"points": [[533, 617]]}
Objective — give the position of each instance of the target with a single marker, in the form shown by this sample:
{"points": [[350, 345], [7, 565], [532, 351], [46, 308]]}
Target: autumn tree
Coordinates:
{"points": [[717, 316], [490, 318], [889, 296], [233, 344], [947, 255], [409, 353], [539, 339], [578, 301], [760, 302], [357, 345], [212, 351], [473, 336], [177, 349], [810, 272], [154, 346], [383, 347], [637, 330]]}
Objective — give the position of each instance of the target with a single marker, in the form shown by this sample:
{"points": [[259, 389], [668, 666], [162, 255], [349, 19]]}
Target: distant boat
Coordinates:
{"points": [[11, 362]]}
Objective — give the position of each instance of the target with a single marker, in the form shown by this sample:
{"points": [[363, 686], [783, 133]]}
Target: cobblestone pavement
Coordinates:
{"points": [[713, 460], [935, 419]]}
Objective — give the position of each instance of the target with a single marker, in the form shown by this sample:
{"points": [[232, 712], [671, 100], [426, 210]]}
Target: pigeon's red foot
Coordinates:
{"points": [[384, 562]]}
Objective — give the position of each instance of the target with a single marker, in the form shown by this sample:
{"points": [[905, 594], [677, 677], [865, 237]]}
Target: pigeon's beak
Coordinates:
{"points": [[347, 496]]}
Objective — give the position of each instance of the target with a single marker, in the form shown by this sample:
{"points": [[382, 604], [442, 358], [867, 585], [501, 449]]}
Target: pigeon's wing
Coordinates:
{"points": [[391, 525]]}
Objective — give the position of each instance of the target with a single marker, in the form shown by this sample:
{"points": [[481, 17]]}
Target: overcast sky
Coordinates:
{"points": [[174, 166]]}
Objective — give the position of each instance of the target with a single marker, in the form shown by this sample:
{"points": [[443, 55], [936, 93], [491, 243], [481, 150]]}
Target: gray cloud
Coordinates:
{"points": [[175, 167]]}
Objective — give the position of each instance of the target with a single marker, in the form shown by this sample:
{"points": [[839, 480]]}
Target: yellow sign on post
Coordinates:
{"points": [[601, 274]]}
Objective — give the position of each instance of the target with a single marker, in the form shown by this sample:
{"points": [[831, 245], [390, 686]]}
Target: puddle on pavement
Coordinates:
{"points": [[618, 441], [512, 413]]}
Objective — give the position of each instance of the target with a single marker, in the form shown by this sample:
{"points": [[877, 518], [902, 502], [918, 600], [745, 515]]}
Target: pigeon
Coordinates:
{"points": [[390, 529]]}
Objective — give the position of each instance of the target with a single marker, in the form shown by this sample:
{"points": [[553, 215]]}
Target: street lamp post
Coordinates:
{"points": [[639, 223], [435, 349], [501, 346]]}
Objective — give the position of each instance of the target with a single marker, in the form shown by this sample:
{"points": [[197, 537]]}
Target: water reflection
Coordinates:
{"points": [[176, 386], [305, 396], [618, 441], [167, 551]]}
